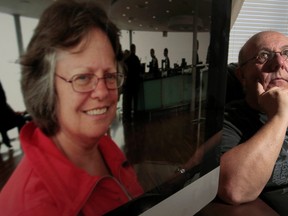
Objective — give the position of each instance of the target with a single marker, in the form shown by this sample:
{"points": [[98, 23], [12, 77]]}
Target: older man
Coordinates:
{"points": [[254, 153]]}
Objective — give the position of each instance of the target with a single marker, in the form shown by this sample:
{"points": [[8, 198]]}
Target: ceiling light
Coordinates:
{"points": [[128, 7]]}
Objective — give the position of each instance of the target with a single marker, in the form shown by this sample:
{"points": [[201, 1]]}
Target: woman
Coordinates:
{"points": [[70, 81]]}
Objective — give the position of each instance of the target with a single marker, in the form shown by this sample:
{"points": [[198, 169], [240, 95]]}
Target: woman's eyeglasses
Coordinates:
{"points": [[88, 82]]}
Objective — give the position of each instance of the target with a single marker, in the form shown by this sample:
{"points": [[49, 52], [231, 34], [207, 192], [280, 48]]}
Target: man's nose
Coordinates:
{"points": [[278, 61]]}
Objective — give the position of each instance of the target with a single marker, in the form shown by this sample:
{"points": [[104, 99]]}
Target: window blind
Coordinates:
{"points": [[256, 16]]}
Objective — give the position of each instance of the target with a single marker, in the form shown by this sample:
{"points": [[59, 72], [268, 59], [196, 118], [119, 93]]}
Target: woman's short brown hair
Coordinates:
{"points": [[62, 25]]}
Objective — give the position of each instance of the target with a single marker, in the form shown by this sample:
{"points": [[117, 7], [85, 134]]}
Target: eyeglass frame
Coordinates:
{"points": [[71, 80], [271, 56]]}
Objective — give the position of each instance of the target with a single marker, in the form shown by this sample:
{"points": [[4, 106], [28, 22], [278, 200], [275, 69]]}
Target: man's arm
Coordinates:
{"points": [[246, 168]]}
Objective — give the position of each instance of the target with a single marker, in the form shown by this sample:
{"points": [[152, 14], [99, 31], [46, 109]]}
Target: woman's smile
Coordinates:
{"points": [[97, 111]]}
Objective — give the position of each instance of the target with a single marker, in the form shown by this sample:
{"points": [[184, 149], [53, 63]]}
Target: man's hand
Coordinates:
{"points": [[273, 101]]}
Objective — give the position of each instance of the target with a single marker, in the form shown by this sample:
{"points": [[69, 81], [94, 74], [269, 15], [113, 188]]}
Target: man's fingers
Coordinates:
{"points": [[260, 88]]}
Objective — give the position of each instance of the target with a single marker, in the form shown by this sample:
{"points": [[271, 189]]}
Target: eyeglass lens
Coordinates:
{"points": [[88, 82], [265, 56]]}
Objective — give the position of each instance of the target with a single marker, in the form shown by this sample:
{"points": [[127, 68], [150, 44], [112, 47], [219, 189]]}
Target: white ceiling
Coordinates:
{"points": [[145, 15]]}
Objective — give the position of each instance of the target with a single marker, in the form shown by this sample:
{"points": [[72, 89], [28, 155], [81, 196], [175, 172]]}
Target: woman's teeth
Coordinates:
{"points": [[97, 111]]}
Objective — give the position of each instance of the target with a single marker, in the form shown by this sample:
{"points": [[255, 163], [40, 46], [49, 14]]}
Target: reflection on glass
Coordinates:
{"points": [[171, 141], [174, 132]]}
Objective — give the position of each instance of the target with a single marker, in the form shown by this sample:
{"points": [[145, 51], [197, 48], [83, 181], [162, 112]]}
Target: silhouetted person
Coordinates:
{"points": [[131, 85], [166, 60], [9, 118], [183, 63], [153, 64]]}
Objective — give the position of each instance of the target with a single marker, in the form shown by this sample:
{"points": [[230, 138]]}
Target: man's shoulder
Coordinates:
{"points": [[132, 59], [242, 116], [240, 108]]}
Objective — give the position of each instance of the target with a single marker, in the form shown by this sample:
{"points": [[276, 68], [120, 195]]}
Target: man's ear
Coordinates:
{"points": [[239, 73]]}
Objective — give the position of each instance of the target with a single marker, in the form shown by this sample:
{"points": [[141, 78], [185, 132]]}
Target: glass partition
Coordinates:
{"points": [[171, 141], [181, 111]]}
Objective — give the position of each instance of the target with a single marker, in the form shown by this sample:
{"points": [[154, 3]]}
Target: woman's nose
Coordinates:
{"points": [[100, 91]]}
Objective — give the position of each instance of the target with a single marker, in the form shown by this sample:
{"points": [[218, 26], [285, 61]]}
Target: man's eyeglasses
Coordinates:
{"points": [[88, 81], [264, 56]]}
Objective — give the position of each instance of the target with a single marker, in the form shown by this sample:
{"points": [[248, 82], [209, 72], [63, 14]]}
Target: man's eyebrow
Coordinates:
{"points": [[269, 49]]}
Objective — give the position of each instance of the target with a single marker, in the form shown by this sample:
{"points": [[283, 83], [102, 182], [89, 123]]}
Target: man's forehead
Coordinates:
{"points": [[270, 41]]}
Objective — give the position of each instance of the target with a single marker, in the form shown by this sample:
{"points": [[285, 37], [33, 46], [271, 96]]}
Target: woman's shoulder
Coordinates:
{"points": [[25, 194]]}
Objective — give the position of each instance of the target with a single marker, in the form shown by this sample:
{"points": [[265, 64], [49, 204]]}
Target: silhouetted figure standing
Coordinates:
{"points": [[9, 118], [165, 61], [153, 64], [131, 85]]}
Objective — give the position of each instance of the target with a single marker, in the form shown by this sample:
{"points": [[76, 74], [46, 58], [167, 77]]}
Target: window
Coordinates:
{"points": [[9, 69], [257, 16]]}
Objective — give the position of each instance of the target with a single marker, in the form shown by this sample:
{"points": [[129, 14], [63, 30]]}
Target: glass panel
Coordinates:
{"points": [[180, 109], [179, 112]]}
